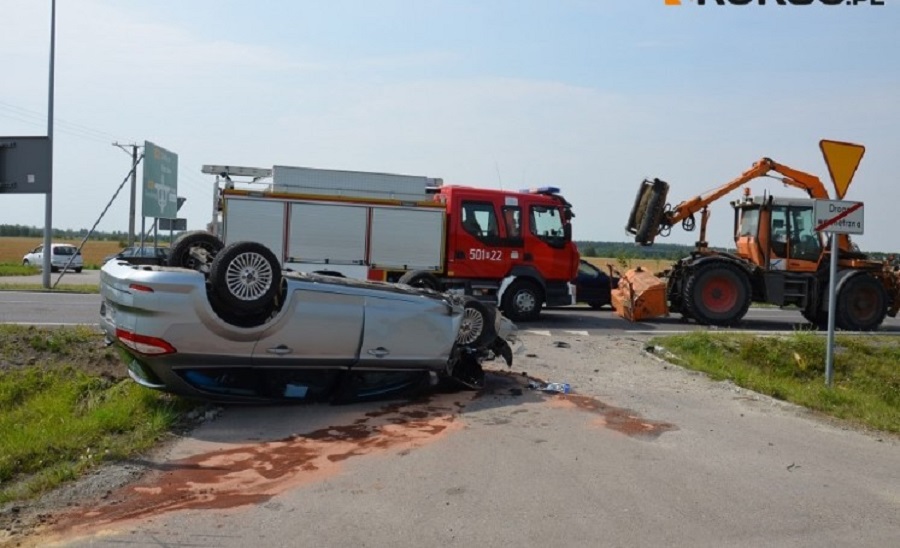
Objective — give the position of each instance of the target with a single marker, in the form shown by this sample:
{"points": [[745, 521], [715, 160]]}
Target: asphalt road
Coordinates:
{"points": [[40, 308], [643, 454]]}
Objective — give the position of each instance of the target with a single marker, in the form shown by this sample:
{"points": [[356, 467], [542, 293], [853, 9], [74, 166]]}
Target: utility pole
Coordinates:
{"points": [[48, 200], [134, 159]]}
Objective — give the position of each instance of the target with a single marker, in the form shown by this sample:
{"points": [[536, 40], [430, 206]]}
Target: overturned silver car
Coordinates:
{"points": [[228, 324]]}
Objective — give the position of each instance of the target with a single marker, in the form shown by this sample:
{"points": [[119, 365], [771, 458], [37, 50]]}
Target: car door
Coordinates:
{"points": [[36, 256], [321, 328], [401, 332]]}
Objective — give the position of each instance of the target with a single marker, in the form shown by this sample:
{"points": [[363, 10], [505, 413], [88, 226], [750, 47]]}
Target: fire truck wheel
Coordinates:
{"points": [[180, 254], [717, 294], [246, 276], [477, 326], [522, 301], [420, 278], [861, 304]]}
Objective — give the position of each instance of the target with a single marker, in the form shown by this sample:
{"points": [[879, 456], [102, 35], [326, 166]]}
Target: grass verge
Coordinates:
{"points": [[10, 269], [866, 388], [62, 288], [62, 412]]}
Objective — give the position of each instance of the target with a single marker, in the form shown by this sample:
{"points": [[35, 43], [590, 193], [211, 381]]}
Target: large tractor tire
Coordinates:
{"points": [[180, 254], [861, 304], [422, 279], [246, 277], [647, 213], [717, 293], [522, 301], [818, 318]]}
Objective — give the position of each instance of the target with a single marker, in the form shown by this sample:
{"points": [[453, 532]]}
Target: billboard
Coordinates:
{"points": [[160, 191], [25, 165]]}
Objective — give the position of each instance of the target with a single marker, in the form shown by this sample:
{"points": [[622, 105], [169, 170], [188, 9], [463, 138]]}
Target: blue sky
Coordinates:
{"points": [[590, 96]]}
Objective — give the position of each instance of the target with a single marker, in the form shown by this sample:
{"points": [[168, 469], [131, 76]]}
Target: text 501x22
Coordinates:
{"points": [[485, 254]]}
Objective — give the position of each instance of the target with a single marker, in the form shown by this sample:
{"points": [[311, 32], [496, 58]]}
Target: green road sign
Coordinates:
{"points": [[160, 194]]}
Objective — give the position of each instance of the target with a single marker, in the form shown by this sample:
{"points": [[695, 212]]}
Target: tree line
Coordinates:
{"points": [[69, 234]]}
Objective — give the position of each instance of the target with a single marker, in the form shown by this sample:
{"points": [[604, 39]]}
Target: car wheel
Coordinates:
{"points": [[78, 270], [198, 240], [597, 305], [246, 276], [477, 326], [522, 301], [421, 278], [25, 262]]}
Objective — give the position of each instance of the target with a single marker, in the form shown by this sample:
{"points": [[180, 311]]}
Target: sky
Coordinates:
{"points": [[589, 96]]}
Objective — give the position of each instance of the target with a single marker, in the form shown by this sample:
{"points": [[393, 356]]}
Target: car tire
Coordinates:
{"points": [[522, 301], [420, 278], [477, 326], [246, 276], [78, 270], [180, 254], [597, 305]]}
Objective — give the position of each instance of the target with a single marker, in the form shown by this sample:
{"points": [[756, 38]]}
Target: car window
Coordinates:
{"points": [[64, 250], [586, 269]]}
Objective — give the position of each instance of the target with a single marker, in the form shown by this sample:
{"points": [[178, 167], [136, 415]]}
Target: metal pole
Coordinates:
{"points": [[832, 298], [48, 197], [133, 191]]}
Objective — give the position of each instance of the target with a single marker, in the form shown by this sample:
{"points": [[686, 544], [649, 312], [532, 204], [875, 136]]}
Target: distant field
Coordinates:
{"points": [[13, 248], [653, 265]]}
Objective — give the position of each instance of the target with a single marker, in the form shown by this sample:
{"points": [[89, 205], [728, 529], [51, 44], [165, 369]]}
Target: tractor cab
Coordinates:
{"points": [[777, 233]]}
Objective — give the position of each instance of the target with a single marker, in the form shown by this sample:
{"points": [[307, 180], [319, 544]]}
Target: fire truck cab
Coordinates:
{"points": [[515, 247]]}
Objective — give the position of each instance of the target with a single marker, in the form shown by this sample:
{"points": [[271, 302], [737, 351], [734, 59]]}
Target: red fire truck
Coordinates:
{"points": [[514, 249]]}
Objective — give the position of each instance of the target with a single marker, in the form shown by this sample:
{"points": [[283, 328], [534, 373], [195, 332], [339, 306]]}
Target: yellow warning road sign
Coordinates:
{"points": [[842, 160]]}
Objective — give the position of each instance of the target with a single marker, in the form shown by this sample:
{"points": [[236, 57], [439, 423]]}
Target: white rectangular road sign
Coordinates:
{"points": [[839, 217]]}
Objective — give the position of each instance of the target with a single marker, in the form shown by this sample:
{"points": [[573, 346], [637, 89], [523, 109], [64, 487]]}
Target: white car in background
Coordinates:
{"points": [[61, 255]]}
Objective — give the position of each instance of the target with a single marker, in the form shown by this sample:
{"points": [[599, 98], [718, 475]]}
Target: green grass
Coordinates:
{"points": [[866, 387], [61, 288], [12, 269], [58, 421]]}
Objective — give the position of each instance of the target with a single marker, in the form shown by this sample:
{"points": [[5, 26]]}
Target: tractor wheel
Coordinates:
{"points": [[717, 294], [180, 254], [422, 279], [818, 318], [861, 304], [477, 327], [246, 276], [522, 301], [649, 214]]}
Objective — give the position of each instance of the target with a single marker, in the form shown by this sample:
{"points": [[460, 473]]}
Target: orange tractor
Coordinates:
{"points": [[779, 259]]}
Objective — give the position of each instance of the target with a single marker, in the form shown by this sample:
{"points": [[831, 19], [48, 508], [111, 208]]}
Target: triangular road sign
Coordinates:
{"points": [[842, 160]]}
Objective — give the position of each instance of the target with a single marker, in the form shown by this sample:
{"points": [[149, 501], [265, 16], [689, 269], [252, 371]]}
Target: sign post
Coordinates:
{"points": [[835, 217]]}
